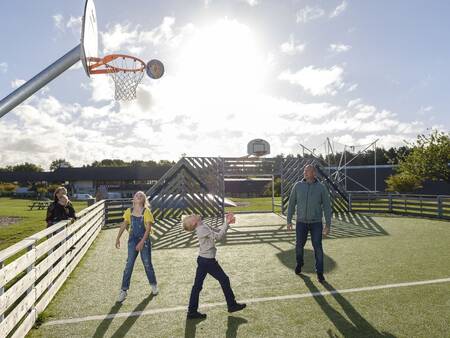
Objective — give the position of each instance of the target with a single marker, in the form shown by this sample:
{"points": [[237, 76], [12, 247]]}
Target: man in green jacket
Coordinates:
{"points": [[312, 200]]}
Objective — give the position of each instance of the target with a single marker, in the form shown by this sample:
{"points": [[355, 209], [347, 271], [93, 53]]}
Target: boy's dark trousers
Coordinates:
{"points": [[211, 266]]}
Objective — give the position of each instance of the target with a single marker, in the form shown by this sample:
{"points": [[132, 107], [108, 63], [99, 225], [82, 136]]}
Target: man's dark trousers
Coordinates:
{"points": [[211, 266], [315, 229]]}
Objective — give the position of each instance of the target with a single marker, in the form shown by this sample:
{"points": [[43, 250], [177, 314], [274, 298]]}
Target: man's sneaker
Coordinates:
{"points": [[196, 315], [298, 269], [320, 277], [236, 307], [155, 290], [122, 296]]}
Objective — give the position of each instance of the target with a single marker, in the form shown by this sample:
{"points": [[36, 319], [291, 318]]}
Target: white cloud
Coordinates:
{"points": [[290, 47], [309, 13], [339, 48], [3, 67], [74, 23], [101, 88], [58, 21], [251, 2], [425, 110], [17, 83], [352, 87], [339, 9], [317, 81], [120, 35], [136, 40]]}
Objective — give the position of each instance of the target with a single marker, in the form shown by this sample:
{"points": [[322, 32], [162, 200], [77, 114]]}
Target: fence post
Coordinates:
{"points": [[439, 206], [390, 203], [105, 211], [349, 202], [2, 290], [29, 269]]}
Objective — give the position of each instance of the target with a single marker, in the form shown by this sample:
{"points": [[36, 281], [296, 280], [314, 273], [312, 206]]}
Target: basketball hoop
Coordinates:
{"points": [[125, 70]]}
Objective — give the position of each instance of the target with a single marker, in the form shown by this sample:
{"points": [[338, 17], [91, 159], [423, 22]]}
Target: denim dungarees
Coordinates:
{"points": [[137, 230]]}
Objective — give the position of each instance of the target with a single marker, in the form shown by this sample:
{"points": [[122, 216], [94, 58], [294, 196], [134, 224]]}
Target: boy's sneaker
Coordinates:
{"points": [[122, 296], [196, 315], [236, 307], [155, 290], [320, 277], [298, 269]]}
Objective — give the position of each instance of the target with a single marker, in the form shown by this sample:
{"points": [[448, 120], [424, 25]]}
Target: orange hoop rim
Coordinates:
{"points": [[95, 63]]}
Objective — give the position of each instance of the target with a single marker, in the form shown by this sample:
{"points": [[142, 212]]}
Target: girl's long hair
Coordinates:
{"points": [[146, 202]]}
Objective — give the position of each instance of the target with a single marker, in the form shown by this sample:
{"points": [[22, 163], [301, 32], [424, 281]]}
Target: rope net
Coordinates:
{"points": [[126, 73]]}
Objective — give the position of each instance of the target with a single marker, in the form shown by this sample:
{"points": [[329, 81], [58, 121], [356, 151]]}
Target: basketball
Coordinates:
{"points": [[155, 69]]}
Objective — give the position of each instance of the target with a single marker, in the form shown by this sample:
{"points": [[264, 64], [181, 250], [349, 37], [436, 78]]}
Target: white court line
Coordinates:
{"points": [[248, 301]]}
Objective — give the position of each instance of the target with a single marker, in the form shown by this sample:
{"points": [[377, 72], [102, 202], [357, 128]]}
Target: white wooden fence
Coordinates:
{"points": [[33, 270]]}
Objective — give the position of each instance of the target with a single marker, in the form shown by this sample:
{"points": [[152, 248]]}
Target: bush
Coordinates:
{"points": [[277, 188], [7, 187], [403, 183]]}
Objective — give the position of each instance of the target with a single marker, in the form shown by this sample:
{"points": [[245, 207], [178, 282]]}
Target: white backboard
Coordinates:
{"points": [[89, 34]]}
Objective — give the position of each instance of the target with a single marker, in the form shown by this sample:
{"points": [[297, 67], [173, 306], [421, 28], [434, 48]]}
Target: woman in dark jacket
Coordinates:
{"points": [[60, 209]]}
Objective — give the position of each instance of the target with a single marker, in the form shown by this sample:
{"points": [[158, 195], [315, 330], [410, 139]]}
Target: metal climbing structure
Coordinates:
{"points": [[196, 184], [192, 185]]}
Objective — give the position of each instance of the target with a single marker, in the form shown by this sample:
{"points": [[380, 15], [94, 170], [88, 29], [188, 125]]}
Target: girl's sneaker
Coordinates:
{"points": [[154, 289], [122, 296]]}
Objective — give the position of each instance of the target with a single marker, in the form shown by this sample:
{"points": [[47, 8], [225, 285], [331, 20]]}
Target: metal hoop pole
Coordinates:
{"points": [[40, 80]]}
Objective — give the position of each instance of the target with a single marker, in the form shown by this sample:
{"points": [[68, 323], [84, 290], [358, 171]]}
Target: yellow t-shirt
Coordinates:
{"points": [[148, 217]]}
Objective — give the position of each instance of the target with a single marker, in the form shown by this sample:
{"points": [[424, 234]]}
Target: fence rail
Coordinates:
{"points": [[33, 270], [412, 205]]}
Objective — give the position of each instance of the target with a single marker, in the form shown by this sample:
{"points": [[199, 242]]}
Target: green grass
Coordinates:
{"points": [[31, 222], [259, 257], [254, 204]]}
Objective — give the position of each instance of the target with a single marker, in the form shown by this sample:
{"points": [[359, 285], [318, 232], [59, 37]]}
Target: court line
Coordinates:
{"points": [[248, 301]]}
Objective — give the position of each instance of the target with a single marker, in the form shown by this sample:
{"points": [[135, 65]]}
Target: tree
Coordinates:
{"points": [[25, 167], [427, 159], [59, 163], [110, 163]]}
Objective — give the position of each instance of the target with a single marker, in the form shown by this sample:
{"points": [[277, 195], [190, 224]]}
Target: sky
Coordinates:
{"points": [[290, 72]]}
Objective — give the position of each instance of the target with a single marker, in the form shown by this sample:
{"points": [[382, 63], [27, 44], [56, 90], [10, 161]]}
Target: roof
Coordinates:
{"points": [[87, 174]]}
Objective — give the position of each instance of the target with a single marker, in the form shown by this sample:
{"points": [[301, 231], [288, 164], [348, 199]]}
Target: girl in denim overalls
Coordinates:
{"points": [[139, 219]]}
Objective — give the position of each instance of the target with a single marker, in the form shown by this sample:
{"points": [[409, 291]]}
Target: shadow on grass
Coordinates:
{"points": [[170, 235], [233, 324], [104, 325], [355, 326], [289, 260], [191, 327], [126, 325]]}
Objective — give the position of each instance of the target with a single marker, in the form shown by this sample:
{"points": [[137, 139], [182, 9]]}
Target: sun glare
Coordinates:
{"points": [[223, 60]]}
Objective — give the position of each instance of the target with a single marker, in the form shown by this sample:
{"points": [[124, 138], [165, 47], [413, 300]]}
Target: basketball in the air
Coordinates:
{"points": [[155, 69]]}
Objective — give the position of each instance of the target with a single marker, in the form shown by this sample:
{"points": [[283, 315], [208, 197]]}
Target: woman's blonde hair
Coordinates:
{"points": [[186, 220], [146, 202]]}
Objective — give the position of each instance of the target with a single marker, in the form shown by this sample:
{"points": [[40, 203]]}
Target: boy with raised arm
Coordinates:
{"points": [[207, 263]]}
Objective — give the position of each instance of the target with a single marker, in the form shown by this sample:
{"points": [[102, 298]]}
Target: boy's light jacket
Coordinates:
{"points": [[207, 237]]}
